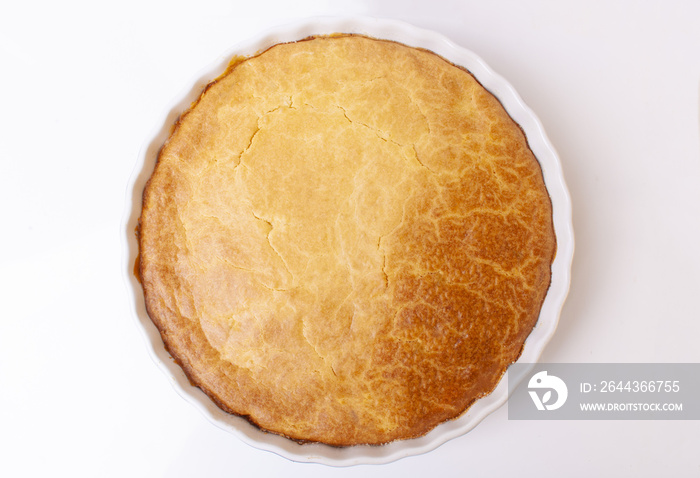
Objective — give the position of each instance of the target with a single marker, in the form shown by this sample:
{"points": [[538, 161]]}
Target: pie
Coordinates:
{"points": [[345, 240]]}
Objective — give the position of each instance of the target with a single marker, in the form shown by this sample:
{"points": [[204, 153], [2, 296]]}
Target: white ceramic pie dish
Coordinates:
{"points": [[549, 315]]}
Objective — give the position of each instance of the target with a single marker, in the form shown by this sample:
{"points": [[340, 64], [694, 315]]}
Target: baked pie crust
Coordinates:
{"points": [[345, 240]]}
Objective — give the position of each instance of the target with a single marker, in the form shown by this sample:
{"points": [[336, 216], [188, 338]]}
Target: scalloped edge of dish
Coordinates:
{"points": [[551, 308]]}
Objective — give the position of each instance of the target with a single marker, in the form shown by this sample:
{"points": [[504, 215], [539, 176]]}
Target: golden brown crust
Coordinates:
{"points": [[346, 240]]}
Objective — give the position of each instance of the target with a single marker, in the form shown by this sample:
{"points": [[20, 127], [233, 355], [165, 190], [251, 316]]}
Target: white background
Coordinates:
{"points": [[616, 85]]}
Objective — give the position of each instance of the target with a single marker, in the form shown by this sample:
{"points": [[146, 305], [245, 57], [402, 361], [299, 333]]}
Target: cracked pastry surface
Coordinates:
{"points": [[345, 240]]}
